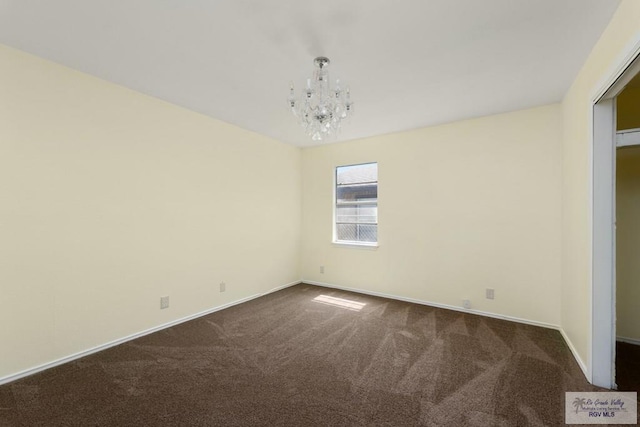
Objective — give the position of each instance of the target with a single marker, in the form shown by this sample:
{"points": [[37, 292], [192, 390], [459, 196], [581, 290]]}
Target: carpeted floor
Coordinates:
{"points": [[628, 367], [288, 359]]}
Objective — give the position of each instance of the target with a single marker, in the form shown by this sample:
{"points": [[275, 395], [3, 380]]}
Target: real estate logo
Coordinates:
{"points": [[609, 407]]}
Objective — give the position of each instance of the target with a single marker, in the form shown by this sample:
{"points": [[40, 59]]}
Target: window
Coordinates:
{"points": [[356, 211]]}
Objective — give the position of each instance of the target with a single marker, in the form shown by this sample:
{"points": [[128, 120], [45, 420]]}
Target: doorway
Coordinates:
{"points": [[627, 361], [627, 196], [604, 328]]}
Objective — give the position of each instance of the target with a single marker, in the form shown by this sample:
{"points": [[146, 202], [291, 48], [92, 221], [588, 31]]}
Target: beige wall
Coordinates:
{"points": [[628, 243], [576, 169], [462, 207], [110, 199], [628, 108]]}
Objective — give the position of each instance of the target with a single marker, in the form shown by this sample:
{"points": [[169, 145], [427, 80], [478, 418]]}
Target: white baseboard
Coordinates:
{"points": [[57, 362], [633, 341], [435, 304], [66, 359], [576, 356]]}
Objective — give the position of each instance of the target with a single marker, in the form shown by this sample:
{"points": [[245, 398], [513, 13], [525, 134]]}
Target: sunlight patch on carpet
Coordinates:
{"points": [[340, 302]]}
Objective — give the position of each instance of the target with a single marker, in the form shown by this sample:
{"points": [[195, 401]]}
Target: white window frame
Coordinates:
{"points": [[352, 243]]}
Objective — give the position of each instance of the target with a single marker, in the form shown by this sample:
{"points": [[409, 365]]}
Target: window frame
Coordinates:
{"points": [[354, 243]]}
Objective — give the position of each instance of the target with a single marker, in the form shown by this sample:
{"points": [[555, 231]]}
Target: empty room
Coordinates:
{"points": [[292, 213]]}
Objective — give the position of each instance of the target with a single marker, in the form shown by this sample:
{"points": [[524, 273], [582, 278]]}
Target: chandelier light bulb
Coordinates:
{"points": [[321, 110]]}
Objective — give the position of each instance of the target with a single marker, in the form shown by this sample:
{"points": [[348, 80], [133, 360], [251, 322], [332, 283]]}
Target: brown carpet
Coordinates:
{"points": [[287, 360], [628, 367]]}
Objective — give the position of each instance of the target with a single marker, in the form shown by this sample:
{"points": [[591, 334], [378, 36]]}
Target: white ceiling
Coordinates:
{"points": [[409, 63]]}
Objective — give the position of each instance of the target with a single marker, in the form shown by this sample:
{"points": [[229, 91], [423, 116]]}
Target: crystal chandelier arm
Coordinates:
{"points": [[292, 98]]}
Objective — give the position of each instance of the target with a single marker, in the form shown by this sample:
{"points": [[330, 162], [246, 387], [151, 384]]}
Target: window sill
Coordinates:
{"points": [[357, 245]]}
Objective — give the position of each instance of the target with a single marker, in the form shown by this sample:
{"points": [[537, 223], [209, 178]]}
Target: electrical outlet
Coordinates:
{"points": [[322, 269], [490, 293], [164, 302], [466, 303], [223, 286]]}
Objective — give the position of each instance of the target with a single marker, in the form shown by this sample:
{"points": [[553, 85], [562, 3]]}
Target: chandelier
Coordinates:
{"points": [[321, 109]]}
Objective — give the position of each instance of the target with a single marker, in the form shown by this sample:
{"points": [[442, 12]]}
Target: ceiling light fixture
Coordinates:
{"points": [[321, 109]]}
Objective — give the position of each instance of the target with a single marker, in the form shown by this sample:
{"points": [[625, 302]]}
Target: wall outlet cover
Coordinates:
{"points": [[164, 302]]}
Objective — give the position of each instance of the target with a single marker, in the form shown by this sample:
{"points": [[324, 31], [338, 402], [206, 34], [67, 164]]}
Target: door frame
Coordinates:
{"points": [[603, 185]]}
